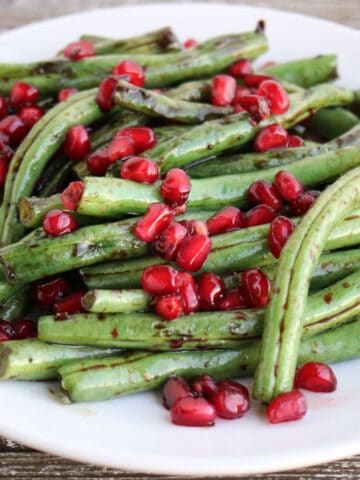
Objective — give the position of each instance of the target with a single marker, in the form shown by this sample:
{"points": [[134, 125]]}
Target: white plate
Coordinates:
{"points": [[134, 432]]}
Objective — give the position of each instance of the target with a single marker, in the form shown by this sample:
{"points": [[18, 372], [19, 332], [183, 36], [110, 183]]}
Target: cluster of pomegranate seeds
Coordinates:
{"points": [[49, 291], [66, 93], [17, 330], [70, 303], [198, 405], [58, 222], [286, 407], [72, 194], [23, 94], [78, 50], [133, 70], [223, 90], [190, 43], [77, 142]]}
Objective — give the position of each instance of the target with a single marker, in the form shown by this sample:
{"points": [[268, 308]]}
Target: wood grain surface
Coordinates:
{"points": [[19, 462]]}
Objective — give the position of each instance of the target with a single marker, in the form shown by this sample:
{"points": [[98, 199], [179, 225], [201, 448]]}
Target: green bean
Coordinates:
{"points": [[284, 313], [32, 359], [332, 122], [102, 379], [14, 306], [115, 301]]}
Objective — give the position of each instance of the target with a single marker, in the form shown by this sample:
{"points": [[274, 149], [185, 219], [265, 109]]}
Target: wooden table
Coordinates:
{"points": [[17, 461]]}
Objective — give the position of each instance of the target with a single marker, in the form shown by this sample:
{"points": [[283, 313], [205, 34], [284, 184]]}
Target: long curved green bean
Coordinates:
{"points": [[332, 122]]}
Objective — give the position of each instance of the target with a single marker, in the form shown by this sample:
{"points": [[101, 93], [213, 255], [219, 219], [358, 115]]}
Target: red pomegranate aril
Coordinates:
{"points": [[211, 288], [133, 70], [50, 290], [160, 280], [240, 91], [190, 43], [179, 209], [5, 151], [193, 252], [270, 137], [78, 50], [98, 162], [317, 377], [4, 337], [140, 169], [169, 307], [58, 222], [105, 93], [195, 227], [175, 187], [280, 230], [72, 194], [31, 115], [296, 384], [24, 329], [193, 412], [223, 90], [167, 243], [288, 186], [204, 385], [277, 95], [232, 299], [157, 217], [302, 204], [240, 68], [144, 137], [77, 142], [238, 108], [254, 80], [258, 107], [121, 146], [231, 399], [70, 304], [295, 141], [4, 166], [66, 93], [6, 331], [256, 287], [259, 215], [3, 107], [188, 293], [14, 128], [174, 388], [226, 219], [286, 407], [23, 94], [264, 192]]}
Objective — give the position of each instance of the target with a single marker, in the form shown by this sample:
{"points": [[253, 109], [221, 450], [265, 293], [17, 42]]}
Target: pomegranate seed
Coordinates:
{"points": [[5, 151], [169, 307], [50, 290], [72, 194], [223, 90], [204, 385], [77, 142], [254, 80], [7, 331], [295, 141], [195, 227], [277, 95], [133, 70], [280, 230], [317, 377], [233, 298], [140, 169], [179, 209], [58, 222], [286, 407], [4, 337], [190, 43], [288, 186], [257, 107], [121, 146], [270, 137], [302, 204], [226, 219], [98, 162], [176, 186], [3, 107], [167, 243], [211, 288], [70, 304], [31, 115], [78, 50], [256, 287], [174, 388], [240, 68], [144, 137], [263, 192], [4, 166], [238, 108], [231, 399], [14, 128], [193, 412], [105, 93], [24, 329], [157, 217], [160, 280], [259, 215], [23, 94], [188, 293], [192, 252], [296, 378], [240, 91], [66, 93]]}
